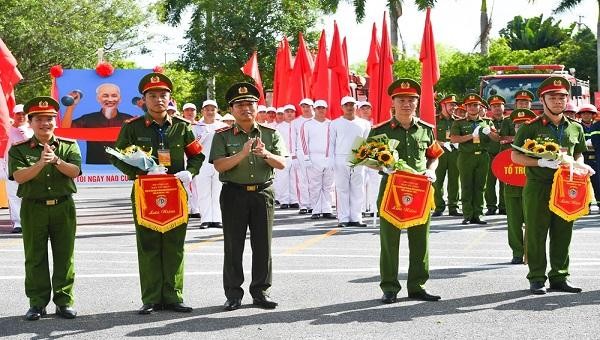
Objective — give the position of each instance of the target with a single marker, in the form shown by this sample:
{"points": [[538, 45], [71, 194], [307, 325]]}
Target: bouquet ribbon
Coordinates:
{"points": [[160, 202], [407, 200]]}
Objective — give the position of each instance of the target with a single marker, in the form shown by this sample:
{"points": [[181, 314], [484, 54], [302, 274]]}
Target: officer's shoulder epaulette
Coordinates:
{"points": [[425, 124], [531, 121], [127, 121], [265, 126], [68, 140], [21, 142], [223, 129], [182, 119], [381, 124]]}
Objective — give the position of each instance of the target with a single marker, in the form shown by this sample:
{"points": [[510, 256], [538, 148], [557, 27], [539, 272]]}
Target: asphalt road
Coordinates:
{"points": [[325, 280]]}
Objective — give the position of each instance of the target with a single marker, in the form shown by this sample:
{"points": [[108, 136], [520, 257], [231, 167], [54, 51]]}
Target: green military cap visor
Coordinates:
{"points": [[43, 105], [451, 98], [404, 87], [496, 99], [474, 98], [555, 85], [155, 81], [524, 95], [242, 92], [522, 115]]}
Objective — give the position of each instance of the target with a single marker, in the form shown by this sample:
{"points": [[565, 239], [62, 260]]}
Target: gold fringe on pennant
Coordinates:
{"points": [[140, 205], [429, 206], [561, 192]]}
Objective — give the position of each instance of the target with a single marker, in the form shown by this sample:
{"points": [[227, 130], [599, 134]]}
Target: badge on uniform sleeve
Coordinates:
{"points": [[164, 157]]}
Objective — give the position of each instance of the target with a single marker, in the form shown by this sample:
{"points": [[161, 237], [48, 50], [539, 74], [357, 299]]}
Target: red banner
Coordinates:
{"points": [[407, 200], [109, 134], [507, 171], [161, 202], [571, 195]]}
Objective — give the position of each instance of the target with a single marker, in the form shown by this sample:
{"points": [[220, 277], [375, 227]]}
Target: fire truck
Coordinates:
{"points": [[507, 80]]}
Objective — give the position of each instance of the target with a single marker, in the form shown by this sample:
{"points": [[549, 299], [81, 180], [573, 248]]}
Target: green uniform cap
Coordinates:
{"points": [[496, 99], [474, 98], [41, 106], [404, 87], [554, 84], [524, 95], [242, 92], [155, 81], [522, 115], [451, 98]]}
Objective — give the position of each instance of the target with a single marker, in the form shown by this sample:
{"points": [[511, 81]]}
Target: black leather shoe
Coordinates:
{"points": [[517, 260], [389, 297], [466, 221], [454, 213], [309, 211], [277, 202], [490, 212], [66, 312], [436, 214], [329, 216], [342, 225], [17, 230], [196, 215], [356, 224], [179, 307], [204, 225], [284, 206], [148, 308], [565, 286], [303, 211], [264, 302], [424, 296], [368, 214], [294, 206], [477, 220], [217, 225], [315, 216], [35, 313], [233, 304], [501, 211], [537, 288]]}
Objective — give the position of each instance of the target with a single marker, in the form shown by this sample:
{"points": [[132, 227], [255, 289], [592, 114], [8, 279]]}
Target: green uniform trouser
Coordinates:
{"points": [[242, 210], [491, 200], [418, 258], [160, 263], [473, 170], [515, 218], [541, 222], [57, 222], [446, 164]]}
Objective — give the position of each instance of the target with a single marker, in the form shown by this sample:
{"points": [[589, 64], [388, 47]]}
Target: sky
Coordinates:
{"points": [[455, 24]]}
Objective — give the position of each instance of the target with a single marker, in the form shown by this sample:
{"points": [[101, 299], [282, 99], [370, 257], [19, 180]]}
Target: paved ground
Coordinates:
{"points": [[325, 279]]}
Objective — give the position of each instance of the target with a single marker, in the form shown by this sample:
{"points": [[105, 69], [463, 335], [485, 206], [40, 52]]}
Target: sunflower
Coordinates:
{"points": [[382, 148], [529, 144], [362, 153], [538, 149], [385, 157], [551, 146]]}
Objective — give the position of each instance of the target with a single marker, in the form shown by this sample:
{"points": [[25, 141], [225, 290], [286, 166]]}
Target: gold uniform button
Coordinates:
{"points": [[251, 175], [49, 188]]}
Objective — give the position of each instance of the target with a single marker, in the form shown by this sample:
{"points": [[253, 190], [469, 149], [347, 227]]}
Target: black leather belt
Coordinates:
{"points": [[251, 187], [50, 202]]}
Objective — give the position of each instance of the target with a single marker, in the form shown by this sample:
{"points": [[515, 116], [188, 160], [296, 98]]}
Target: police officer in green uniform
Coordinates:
{"points": [[472, 134], [245, 155], [513, 198], [45, 166], [160, 255], [419, 149], [492, 200], [541, 222], [447, 163]]}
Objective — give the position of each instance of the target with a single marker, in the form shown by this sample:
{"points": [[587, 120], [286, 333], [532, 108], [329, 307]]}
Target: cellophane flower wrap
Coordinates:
{"points": [[135, 156], [378, 152]]}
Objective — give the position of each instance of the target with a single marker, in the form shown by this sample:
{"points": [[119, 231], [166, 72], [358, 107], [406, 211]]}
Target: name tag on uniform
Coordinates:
{"points": [[144, 139], [164, 157], [447, 134]]}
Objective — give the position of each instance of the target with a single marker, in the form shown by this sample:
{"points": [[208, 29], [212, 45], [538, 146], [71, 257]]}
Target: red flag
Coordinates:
{"points": [[300, 80], [283, 69], [251, 70], [339, 75], [430, 73], [9, 77], [373, 72], [386, 76], [275, 100], [320, 77]]}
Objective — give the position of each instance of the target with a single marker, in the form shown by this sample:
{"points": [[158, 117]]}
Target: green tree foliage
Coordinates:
{"points": [[579, 53], [42, 33], [534, 33]]}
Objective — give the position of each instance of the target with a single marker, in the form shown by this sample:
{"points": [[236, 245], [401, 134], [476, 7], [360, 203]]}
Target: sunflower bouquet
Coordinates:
{"points": [[540, 148], [135, 156], [377, 152]]}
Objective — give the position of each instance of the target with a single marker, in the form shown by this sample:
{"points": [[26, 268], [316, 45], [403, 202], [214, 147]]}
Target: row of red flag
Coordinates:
{"points": [[327, 77], [9, 77]]}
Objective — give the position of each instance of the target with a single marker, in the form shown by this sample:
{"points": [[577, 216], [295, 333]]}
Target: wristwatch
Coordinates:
{"points": [[266, 156], [58, 161]]}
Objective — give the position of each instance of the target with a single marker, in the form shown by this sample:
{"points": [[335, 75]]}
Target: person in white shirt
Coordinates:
{"points": [[18, 132], [349, 182], [372, 176], [303, 180], [314, 137], [189, 112], [284, 183], [271, 115], [206, 184], [261, 115]]}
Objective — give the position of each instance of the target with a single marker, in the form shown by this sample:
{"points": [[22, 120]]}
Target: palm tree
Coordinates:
{"points": [[485, 25]]}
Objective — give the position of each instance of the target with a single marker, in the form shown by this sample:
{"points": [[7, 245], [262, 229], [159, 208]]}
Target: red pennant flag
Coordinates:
{"points": [[275, 100], [283, 69], [300, 81], [339, 75], [375, 92], [430, 73], [9, 77], [321, 77], [251, 70], [386, 75]]}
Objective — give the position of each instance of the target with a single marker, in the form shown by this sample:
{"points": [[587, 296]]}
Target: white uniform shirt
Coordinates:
{"points": [[18, 134], [296, 144], [314, 138], [204, 134], [285, 129], [343, 134]]}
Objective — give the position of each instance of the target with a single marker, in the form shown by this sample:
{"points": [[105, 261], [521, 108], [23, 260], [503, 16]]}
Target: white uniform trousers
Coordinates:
{"points": [[208, 194], [372, 181], [320, 178], [192, 192], [284, 184], [14, 203], [350, 195], [302, 183]]}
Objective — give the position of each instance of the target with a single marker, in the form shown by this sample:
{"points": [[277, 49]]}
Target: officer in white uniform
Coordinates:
{"points": [[349, 182], [303, 181], [285, 187], [372, 176]]}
